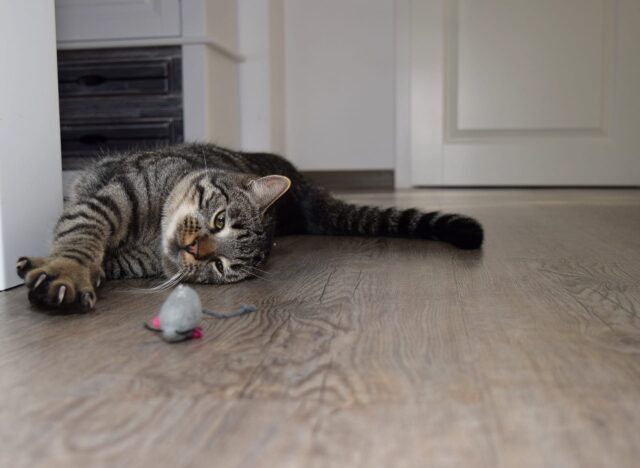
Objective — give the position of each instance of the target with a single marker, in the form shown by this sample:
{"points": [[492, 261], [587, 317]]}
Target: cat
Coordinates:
{"points": [[200, 213]]}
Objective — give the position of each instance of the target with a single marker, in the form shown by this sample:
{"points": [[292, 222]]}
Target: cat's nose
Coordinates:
{"points": [[202, 247]]}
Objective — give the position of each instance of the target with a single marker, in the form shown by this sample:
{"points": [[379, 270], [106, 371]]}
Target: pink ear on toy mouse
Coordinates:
{"points": [[154, 324]]}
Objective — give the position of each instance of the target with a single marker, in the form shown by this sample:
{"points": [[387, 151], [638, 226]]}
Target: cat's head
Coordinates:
{"points": [[217, 227]]}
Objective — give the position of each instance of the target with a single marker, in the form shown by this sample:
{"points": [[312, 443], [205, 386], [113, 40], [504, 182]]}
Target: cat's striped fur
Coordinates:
{"points": [[201, 213]]}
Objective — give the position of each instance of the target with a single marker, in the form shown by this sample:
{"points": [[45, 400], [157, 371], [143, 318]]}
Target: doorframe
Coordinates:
{"points": [[419, 33], [403, 48]]}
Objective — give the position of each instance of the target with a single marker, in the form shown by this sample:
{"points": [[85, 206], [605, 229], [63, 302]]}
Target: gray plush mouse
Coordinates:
{"points": [[181, 314]]}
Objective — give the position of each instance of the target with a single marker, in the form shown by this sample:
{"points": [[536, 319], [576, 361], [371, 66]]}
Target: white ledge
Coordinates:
{"points": [[212, 42]]}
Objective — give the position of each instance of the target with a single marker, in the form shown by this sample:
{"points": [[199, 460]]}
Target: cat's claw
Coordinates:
{"points": [[22, 263], [97, 278], [88, 300], [40, 280], [61, 292]]}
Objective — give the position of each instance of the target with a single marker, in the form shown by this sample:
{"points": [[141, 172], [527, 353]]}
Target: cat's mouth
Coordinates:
{"points": [[180, 255], [192, 249], [183, 255], [201, 248]]}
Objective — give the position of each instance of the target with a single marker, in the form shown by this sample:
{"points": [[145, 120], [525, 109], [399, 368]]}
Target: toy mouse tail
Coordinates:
{"points": [[244, 309]]}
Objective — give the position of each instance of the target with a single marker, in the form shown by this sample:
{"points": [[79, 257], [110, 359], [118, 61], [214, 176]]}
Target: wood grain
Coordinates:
{"points": [[364, 353]]}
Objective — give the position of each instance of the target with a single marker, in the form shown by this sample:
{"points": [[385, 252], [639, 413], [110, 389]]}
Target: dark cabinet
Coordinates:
{"points": [[118, 99]]}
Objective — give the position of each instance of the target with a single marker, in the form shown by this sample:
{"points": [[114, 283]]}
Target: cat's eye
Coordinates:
{"points": [[219, 220], [219, 266]]}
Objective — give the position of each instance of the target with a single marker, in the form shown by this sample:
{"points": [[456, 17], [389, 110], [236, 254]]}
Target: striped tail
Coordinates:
{"points": [[335, 217]]}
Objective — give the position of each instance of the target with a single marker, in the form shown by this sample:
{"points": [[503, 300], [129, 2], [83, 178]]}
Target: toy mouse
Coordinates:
{"points": [[181, 314]]}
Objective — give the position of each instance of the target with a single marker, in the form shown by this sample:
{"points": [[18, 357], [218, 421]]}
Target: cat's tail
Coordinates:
{"points": [[327, 215]]}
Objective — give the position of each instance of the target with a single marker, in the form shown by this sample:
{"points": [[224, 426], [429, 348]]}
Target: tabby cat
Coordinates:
{"points": [[204, 214]]}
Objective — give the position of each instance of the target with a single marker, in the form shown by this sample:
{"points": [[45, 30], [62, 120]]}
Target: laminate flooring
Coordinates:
{"points": [[363, 352]]}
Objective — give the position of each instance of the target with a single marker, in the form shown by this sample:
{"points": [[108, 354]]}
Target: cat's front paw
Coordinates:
{"points": [[60, 283]]}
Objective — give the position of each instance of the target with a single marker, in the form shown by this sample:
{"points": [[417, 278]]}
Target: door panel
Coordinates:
{"points": [[514, 92], [522, 65]]}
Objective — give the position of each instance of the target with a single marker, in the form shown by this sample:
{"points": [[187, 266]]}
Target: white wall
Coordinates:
{"points": [[30, 164], [319, 81], [262, 96], [339, 78], [211, 79], [277, 78]]}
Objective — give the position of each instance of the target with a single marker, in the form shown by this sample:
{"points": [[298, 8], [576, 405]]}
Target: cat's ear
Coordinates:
{"points": [[266, 190]]}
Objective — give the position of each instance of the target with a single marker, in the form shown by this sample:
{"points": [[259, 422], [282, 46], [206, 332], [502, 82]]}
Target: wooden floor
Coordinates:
{"points": [[364, 353]]}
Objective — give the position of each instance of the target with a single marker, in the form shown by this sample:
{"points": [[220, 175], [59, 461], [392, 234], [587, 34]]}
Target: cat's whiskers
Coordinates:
{"points": [[254, 270], [259, 276], [204, 158], [175, 279], [258, 269], [164, 285]]}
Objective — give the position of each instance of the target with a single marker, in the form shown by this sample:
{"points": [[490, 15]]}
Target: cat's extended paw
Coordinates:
{"points": [[60, 283]]}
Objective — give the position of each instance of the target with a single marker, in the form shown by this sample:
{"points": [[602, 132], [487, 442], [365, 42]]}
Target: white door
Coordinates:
{"points": [[525, 92]]}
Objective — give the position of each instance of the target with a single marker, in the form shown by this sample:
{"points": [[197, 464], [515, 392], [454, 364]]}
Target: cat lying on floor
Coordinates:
{"points": [[204, 214]]}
